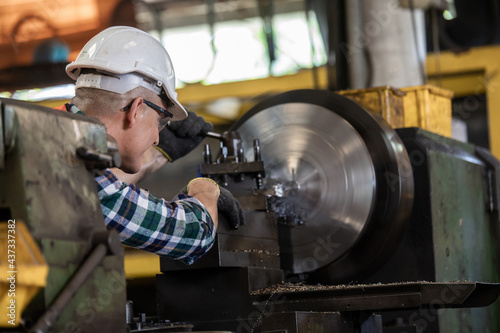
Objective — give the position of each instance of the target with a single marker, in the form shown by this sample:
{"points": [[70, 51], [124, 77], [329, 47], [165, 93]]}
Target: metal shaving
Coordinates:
{"points": [[267, 252], [301, 287]]}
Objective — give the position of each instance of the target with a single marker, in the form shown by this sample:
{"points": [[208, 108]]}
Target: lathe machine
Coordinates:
{"points": [[351, 226]]}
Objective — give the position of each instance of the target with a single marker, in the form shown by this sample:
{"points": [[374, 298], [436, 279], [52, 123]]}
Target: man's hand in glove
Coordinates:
{"points": [[180, 137], [227, 205], [230, 208]]}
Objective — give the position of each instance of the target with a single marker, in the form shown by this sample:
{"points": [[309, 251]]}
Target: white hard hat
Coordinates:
{"points": [[125, 50]]}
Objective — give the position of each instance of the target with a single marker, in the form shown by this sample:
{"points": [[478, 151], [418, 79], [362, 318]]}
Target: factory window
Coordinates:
{"points": [[56, 93], [240, 51]]}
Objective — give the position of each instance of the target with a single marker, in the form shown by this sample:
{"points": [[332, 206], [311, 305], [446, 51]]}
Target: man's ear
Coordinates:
{"points": [[133, 113]]}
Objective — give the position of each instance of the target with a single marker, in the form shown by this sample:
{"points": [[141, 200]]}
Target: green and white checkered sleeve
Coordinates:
{"points": [[181, 229]]}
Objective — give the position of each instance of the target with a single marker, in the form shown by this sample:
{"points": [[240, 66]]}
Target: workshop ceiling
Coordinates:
{"points": [[24, 24], [25, 20]]}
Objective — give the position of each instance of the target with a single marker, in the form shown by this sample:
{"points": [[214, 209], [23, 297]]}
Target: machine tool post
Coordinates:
{"points": [[258, 181], [241, 158], [223, 154], [232, 140], [241, 154], [257, 158], [223, 159], [256, 149], [207, 154]]}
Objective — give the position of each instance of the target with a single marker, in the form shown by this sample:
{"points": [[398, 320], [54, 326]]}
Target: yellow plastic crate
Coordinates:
{"points": [[23, 271], [426, 106], [385, 101]]}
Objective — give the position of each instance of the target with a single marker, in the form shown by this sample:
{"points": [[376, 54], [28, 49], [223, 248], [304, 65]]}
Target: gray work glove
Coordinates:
{"points": [[227, 206], [231, 209], [180, 137]]}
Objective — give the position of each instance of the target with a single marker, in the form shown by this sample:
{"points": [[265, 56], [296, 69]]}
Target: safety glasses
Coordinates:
{"points": [[165, 116]]}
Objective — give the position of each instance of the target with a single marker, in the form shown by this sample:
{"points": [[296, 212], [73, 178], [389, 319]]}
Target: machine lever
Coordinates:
{"points": [[98, 253], [214, 135], [95, 160]]}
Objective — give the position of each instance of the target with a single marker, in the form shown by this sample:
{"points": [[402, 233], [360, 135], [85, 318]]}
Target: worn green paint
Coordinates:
{"points": [[99, 301], [48, 187], [465, 234]]}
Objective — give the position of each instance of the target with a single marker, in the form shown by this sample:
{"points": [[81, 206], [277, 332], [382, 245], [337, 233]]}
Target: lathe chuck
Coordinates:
{"points": [[340, 174]]}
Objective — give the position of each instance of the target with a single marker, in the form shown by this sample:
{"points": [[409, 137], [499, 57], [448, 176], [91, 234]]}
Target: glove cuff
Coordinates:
{"points": [[213, 181], [164, 153]]}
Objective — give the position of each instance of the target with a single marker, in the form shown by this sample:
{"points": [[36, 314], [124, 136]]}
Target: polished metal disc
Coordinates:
{"points": [[322, 164], [327, 158]]}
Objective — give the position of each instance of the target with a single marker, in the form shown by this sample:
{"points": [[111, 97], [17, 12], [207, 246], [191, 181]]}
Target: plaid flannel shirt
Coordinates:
{"points": [[181, 229]]}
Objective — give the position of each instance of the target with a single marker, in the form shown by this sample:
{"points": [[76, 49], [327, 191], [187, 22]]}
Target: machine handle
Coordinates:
{"points": [[214, 135], [45, 322]]}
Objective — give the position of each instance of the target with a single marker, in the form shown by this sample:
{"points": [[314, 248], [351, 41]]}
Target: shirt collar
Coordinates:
{"points": [[73, 109]]}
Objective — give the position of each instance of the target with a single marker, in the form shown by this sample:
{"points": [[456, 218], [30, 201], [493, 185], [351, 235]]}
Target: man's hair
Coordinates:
{"points": [[102, 103]]}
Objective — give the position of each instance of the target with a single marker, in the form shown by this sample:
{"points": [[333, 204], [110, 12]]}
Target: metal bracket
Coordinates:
{"points": [[95, 161]]}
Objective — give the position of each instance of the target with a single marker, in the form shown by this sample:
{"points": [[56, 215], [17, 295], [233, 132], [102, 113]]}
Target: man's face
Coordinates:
{"points": [[141, 136]]}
